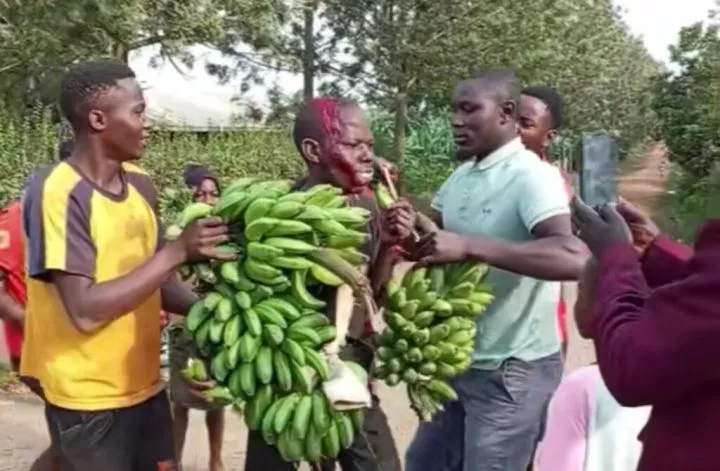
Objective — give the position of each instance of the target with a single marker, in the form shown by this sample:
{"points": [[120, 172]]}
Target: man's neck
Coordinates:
{"points": [[94, 164], [504, 140]]}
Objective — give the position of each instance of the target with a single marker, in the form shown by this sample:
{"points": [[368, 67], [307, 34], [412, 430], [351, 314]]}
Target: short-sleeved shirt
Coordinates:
{"points": [[12, 263], [76, 227], [504, 196]]}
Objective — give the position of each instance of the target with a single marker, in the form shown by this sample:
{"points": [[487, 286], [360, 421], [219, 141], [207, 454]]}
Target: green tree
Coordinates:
{"points": [[688, 100], [413, 52], [41, 37]]}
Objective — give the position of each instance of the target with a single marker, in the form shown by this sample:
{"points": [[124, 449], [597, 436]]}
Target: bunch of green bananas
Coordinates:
{"points": [[259, 327], [299, 421], [431, 331]]}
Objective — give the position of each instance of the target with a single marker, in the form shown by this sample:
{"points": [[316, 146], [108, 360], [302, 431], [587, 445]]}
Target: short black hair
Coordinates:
{"points": [[65, 149], [503, 81], [552, 100], [85, 82]]}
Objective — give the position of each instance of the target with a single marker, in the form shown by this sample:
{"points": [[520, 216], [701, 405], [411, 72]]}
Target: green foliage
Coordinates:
{"points": [[41, 38], [24, 145], [688, 102], [688, 105], [266, 153], [689, 203], [409, 55]]}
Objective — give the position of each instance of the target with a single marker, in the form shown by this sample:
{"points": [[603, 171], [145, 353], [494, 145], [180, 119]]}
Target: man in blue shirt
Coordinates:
{"points": [[509, 209]]}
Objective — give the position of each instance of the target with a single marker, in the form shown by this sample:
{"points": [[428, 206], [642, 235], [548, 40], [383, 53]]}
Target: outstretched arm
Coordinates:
{"points": [[554, 254]]}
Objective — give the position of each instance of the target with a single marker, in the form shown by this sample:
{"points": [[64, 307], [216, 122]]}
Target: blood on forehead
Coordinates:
{"points": [[328, 112]]}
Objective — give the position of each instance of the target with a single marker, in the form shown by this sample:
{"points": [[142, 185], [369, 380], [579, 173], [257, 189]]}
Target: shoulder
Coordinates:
{"points": [[55, 185], [580, 384], [134, 169], [142, 182], [462, 170], [532, 170]]}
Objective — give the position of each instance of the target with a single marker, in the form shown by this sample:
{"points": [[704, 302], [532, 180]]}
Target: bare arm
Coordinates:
{"points": [[554, 254], [91, 305], [177, 297], [10, 310]]}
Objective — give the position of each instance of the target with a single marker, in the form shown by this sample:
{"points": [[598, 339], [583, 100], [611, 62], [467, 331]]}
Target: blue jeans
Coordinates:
{"points": [[496, 422]]}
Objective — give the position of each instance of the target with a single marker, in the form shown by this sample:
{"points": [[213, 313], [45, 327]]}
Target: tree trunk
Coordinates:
{"points": [[120, 52], [401, 120], [309, 50], [400, 131]]}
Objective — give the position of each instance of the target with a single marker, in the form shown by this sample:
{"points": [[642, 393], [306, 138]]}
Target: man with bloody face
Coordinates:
{"points": [[335, 141], [509, 209]]}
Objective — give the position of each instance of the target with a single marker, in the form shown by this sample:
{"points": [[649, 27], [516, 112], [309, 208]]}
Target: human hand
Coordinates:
{"points": [[200, 389], [441, 247], [643, 229], [200, 239], [398, 221], [599, 229]]}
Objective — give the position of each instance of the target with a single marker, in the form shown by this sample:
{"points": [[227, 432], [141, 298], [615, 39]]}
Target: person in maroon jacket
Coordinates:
{"points": [[657, 331]]}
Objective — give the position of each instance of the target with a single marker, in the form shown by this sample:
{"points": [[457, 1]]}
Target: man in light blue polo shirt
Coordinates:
{"points": [[507, 208]]}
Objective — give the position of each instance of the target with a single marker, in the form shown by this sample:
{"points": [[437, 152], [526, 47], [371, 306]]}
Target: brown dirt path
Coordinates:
{"points": [[643, 186]]}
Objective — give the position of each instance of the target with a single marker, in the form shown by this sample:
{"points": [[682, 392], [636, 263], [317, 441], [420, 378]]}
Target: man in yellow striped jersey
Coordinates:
{"points": [[98, 276]]}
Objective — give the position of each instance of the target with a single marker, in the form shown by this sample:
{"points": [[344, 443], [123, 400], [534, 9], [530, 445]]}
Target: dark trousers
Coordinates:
{"points": [[372, 450], [137, 438]]}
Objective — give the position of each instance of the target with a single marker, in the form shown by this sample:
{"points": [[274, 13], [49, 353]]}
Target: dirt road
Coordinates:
{"points": [[22, 428]]}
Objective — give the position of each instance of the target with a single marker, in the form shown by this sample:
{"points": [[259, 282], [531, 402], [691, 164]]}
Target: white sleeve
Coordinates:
{"points": [[543, 195]]}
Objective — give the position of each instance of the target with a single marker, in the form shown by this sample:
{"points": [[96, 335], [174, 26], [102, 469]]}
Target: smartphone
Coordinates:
{"points": [[598, 162]]}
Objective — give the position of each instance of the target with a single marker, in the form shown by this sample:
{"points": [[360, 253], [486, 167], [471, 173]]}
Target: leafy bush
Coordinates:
{"points": [[688, 102], [689, 203]]}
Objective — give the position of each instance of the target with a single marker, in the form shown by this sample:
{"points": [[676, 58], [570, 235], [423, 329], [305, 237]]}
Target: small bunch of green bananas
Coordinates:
{"points": [[258, 324], [431, 331], [298, 420]]}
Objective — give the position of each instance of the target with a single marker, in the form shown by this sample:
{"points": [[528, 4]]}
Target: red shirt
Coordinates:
{"points": [[656, 331], [12, 262]]}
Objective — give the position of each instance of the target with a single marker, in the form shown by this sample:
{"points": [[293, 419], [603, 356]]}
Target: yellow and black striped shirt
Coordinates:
{"points": [[74, 226]]}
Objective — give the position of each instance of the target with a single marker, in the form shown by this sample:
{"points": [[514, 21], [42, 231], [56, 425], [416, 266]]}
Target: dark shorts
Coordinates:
{"points": [[137, 438]]}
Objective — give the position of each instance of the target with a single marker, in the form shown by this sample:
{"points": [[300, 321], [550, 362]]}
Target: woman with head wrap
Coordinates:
{"points": [[205, 188]]}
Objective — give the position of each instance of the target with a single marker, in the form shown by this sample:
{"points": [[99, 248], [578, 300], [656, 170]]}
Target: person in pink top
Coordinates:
{"points": [[587, 430]]}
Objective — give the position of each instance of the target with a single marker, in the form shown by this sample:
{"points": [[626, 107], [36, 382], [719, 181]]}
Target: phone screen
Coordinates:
{"points": [[598, 169]]}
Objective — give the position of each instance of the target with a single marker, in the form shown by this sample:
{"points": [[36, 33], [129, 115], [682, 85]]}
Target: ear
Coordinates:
{"points": [[549, 137], [310, 150], [97, 121], [508, 109]]}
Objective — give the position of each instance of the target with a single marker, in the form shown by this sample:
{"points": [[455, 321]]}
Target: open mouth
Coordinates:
{"points": [[366, 176]]}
